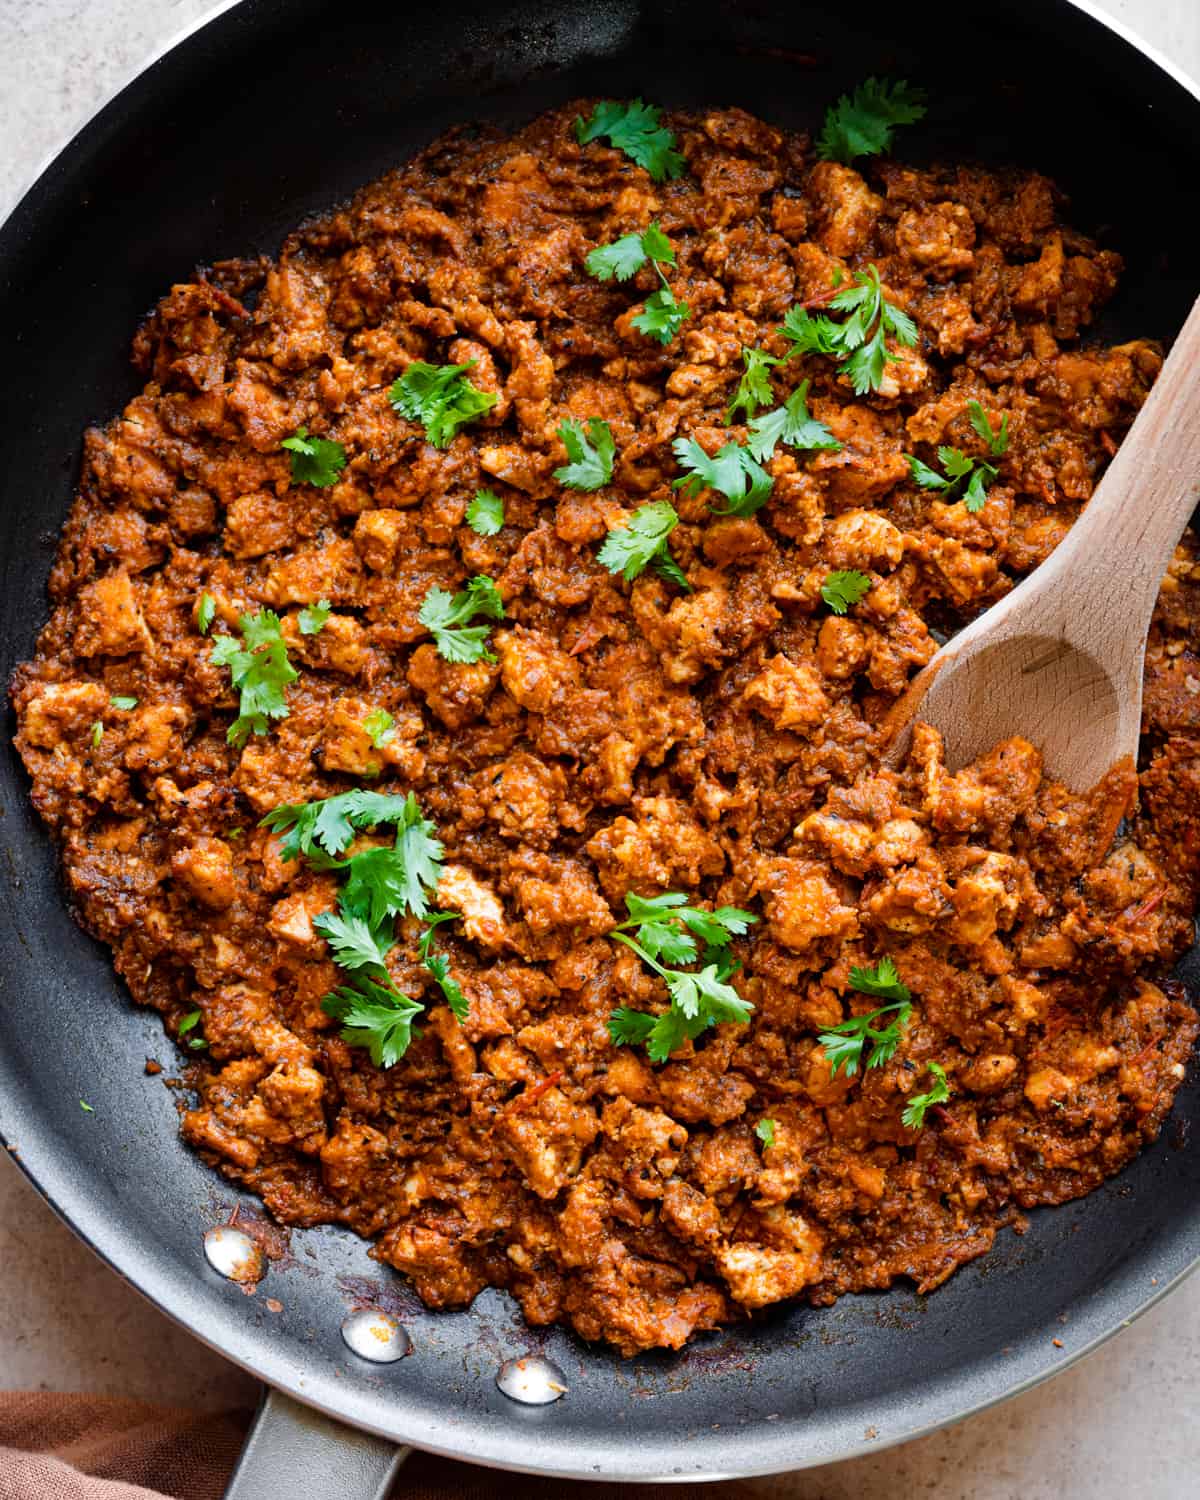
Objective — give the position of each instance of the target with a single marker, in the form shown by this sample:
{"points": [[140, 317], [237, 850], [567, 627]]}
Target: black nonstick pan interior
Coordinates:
{"points": [[274, 111]]}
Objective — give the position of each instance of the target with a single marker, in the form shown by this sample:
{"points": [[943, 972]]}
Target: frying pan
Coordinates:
{"points": [[270, 112]]}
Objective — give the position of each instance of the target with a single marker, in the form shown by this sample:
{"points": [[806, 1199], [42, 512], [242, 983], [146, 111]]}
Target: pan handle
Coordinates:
{"points": [[293, 1449]]}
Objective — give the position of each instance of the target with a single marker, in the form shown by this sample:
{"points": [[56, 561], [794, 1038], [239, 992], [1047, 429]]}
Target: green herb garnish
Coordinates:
{"points": [[634, 128], [667, 928], [485, 514], [754, 387], [765, 1131], [379, 725], [312, 617], [206, 608], [790, 424], [861, 124], [844, 587], [591, 454], [445, 616], [260, 671], [126, 703], [440, 398], [642, 542], [315, 460], [914, 1113], [733, 472], [844, 1044]]}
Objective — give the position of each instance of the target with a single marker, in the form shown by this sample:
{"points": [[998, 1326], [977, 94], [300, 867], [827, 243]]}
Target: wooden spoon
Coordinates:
{"points": [[1059, 660]]}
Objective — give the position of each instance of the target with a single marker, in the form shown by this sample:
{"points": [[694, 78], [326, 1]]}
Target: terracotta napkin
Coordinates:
{"points": [[55, 1447]]}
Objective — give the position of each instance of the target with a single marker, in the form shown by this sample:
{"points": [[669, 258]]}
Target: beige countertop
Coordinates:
{"points": [[1121, 1423]]}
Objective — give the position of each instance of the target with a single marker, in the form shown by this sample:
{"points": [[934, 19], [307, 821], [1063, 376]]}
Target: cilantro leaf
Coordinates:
{"points": [[329, 824], [662, 314], [626, 256], [844, 587], [622, 259], [312, 617], [860, 340], [809, 335], [629, 549], [374, 1015], [433, 920], [315, 460], [439, 966], [445, 617], [959, 466], [591, 453], [791, 424], [844, 1044], [123, 702], [485, 514], [393, 878], [97, 734], [997, 441], [882, 980], [914, 1113], [206, 608], [630, 1028], [765, 1131], [353, 941], [733, 472], [666, 928], [189, 1023], [754, 387], [861, 124], [440, 398], [378, 725], [634, 128], [260, 671]]}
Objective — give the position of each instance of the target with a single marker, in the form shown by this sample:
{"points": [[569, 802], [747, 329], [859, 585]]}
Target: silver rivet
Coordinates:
{"points": [[376, 1336], [532, 1380], [234, 1254]]}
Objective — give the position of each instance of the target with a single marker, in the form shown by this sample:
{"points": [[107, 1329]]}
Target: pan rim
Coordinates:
{"points": [[72, 1202]]}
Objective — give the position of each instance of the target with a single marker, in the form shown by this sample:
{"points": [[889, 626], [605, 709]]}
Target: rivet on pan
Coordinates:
{"points": [[234, 1254], [376, 1336], [532, 1380]]}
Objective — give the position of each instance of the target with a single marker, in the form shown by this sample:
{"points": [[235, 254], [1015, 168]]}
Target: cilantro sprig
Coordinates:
{"points": [[662, 314], [374, 1015], [765, 1131], [859, 343], [754, 388], [441, 398], [591, 451], [732, 471], [861, 123], [485, 514], [792, 424], [635, 129], [642, 542], [380, 728], [259, 669], [315, 460], [667, 928], [313, 618], [439, 965], [963, 476], [844, 1043], [938, 1093], [328, 826], [445, 616], [381, 883], [623, 258], [844, 587]]}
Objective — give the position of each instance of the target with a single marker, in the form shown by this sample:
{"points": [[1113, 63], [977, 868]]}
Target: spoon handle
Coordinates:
{"points": [[1106, 573]]}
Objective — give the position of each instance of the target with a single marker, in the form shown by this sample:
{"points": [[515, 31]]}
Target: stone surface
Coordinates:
{"points": [[1120, 1424]]}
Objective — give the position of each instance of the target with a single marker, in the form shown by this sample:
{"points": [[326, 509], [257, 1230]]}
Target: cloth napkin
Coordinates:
{"points": [[55, 1447]]}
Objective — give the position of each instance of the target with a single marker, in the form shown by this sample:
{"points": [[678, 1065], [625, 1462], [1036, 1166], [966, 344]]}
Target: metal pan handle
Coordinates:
{"points": [[292, 1449]]}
